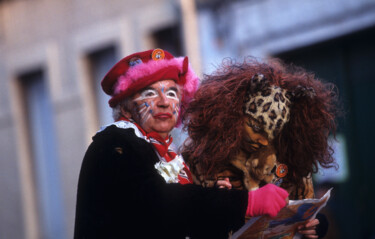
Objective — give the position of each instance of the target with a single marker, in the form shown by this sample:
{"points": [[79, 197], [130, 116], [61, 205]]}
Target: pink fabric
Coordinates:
{"points": [[149, 68], [267, 200]]}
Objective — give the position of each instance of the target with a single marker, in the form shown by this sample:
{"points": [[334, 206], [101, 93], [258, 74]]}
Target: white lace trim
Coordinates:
{"points": [[126, 125]]}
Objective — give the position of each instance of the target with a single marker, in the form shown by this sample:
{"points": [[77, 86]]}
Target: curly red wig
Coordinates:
{"points": [[215, 118]]}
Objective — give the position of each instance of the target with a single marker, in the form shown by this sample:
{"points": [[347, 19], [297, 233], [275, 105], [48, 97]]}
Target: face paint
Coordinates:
{"points": [[176, 109], [172, 94], [162, 87], [144, 111], [157, 106], [147, 94]]}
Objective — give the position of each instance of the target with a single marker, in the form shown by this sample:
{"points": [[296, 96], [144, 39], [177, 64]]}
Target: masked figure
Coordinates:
{"points": [[255, 123]]}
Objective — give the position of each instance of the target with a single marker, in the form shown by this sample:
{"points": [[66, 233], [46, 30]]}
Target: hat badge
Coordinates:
{"points": [[158, 54], [135, 61], [281, 170]]}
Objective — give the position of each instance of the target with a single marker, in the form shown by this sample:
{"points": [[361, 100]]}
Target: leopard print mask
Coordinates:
{"points": [[269, 105]]}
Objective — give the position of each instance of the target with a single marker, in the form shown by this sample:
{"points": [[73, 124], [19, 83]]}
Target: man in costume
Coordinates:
{"points": [[253, 123], [132, 184]]}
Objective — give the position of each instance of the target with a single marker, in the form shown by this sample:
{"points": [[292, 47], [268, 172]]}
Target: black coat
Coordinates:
{"points": [[121, 195]]}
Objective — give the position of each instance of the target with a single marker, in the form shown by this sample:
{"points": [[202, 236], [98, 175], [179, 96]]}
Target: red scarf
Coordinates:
{"points": [[162, 147]]}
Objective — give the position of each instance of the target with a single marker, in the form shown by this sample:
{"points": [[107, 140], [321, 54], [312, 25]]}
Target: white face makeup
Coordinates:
{"points": [[157, 107]]}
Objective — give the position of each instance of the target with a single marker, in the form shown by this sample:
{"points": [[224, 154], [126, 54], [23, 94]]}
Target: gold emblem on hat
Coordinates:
{"points": [[158, 54]]}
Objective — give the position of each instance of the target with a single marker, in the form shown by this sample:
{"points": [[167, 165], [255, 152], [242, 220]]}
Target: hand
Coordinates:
{"points": [[267, 200], [309, 229], [224, 183]]}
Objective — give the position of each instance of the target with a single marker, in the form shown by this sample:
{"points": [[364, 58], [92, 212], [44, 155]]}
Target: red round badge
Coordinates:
{"points": [[281, 170]]}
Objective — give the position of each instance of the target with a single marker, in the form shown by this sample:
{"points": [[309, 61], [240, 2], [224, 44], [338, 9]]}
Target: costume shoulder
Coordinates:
{"points": [[114, 138], [111, 170], [113, 133], [119, 152]]}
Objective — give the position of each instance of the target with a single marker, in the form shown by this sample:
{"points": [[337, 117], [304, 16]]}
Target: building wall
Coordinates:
{"points": [[264, 28], [58, 37]]}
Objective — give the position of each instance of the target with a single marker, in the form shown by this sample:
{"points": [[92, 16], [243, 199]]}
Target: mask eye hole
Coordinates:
{"points": [[255, 127], [273, 169]]}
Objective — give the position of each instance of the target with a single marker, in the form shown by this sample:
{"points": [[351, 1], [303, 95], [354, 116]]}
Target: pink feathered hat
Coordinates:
{"points": [[139, 70]]}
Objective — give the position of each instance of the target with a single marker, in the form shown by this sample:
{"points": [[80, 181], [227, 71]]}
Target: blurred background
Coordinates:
{"points": [[54, 53]]}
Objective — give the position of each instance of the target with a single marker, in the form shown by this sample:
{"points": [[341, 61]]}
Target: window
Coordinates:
{"points": [[39, 116], [342, 173], [100, 62], [169, 39]]}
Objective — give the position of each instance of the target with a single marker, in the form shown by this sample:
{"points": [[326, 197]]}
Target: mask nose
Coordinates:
{"points": [[260, 139], [263, 141]]}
